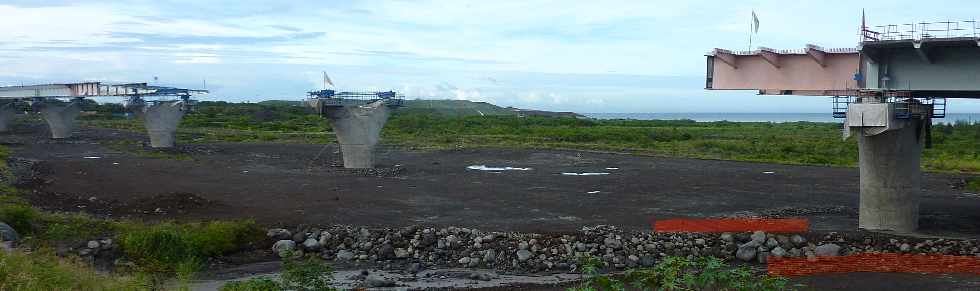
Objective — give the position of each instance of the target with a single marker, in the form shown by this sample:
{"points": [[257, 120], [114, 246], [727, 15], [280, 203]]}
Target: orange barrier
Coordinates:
{"points": [[885, 263], [731, 225]]}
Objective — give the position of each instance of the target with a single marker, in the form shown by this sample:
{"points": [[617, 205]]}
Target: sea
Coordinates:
{"points": [[761, 117]]}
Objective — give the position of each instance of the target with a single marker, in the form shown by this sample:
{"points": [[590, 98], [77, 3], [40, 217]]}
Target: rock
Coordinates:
{"points": [[480, 276], [648, 260], [345, 255], [763, 257], [633, 258], [746, 253], [364, 233], [522, 246], [778, 252], [489, 256], [771, 243], [299, 237], [612, 243], [106, 243], [401, 253], [905, 248], [798, 240], [727, 237], [523, 255], [8, 233], [378, 282], [474, 262], [93, 244], [827, 250], [759, 236], [325, 238], [795, 253], [279, 234], [386, 251], [581, 247], [284, 248], [7, 246], [311, 245], [699, 241], [414, 268], [464, 261]]}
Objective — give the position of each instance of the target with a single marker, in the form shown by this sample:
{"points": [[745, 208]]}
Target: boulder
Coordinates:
{"points": [[311, 245], [284, 248], [8, 233], [827, 250], [759, 236], [345, 255], [746, 253], [523, 255]]}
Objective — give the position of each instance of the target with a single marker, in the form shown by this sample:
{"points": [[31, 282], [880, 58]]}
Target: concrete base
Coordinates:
{"points": [[891, 177], [358, 130], [61, 118], [161, 122], [7, 113]]}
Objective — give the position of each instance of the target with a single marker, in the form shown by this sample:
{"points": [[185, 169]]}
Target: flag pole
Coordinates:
{"points": [[751, 27]]}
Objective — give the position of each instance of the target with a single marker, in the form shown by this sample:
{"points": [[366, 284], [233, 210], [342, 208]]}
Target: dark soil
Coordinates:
{"points": [[282, 185]]}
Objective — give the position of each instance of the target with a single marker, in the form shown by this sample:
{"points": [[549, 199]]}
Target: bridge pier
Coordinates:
{"points": [[358, 129], [890, 151], [7, 113], [61, 118], [161, 120]]}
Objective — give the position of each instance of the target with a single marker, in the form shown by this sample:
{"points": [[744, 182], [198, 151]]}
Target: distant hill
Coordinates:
{"points": [[451, 108]]}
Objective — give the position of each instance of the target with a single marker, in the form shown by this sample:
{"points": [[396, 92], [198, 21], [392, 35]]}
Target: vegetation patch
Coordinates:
{"points": [[45, 271], [310, 274], [678, 273], [170, 247]]}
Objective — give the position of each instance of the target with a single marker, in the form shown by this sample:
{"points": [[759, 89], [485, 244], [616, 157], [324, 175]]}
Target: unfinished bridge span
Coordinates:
{"points": [[887, 89], [60, 105]]}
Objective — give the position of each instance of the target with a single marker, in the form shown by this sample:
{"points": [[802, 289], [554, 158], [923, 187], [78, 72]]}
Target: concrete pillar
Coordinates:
{"points": [[7, 113], [891, 178], [890, 154], [61, 118], [358, 130], [161, 120]]}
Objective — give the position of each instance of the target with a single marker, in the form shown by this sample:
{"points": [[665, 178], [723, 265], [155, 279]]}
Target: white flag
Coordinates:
{"points": [[755, 22]]}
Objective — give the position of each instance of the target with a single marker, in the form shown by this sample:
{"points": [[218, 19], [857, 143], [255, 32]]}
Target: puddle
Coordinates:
{"points": [[495, 169], [584, 174], [427, 279]]}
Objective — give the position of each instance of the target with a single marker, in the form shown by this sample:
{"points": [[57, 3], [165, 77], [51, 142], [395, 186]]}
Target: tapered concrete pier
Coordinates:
{"points": [[61, 118], [890, 152], [7, 113], [358, 130], [161, 120]]}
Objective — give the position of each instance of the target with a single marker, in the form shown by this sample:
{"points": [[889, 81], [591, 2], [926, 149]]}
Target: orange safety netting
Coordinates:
{"points": [[731, 225], [885, 263]]}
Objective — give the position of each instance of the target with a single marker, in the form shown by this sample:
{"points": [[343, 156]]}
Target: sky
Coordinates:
{"points": [[569, 55]]}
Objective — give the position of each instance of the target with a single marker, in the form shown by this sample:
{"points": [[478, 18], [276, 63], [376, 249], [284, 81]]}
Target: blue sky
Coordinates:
{"points": [[584, 56]]}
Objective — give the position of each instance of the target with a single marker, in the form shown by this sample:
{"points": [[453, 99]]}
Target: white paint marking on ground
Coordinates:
{"points": [[583, 174], [593, 192], [768, 172], [495, 169], [91, 157], [612, 168]]}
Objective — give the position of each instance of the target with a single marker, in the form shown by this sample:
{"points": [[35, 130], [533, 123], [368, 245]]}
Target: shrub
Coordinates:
{"points": [[19, 216], [44, 271], [678, 273], [168, 247], [305, 275]]}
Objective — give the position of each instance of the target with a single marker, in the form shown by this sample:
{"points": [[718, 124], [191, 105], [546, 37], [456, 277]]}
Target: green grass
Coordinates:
{"points": [[956, 147], [44, 271], [973, 184], [678, 273], [170, 247]]}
